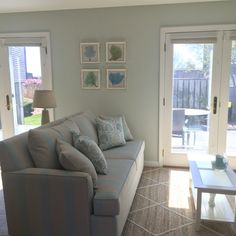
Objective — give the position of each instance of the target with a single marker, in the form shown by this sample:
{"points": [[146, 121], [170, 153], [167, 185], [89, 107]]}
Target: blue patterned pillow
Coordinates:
{"points": [[127, 133], [110, 133], [91, 150]]}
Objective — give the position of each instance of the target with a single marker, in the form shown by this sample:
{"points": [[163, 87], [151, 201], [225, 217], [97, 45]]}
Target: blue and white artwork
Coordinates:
{"points": [[116, 78], [89, 52]]}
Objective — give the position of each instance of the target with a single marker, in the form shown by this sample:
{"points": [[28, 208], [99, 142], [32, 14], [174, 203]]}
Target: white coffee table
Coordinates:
{"points": [[209, 188]]}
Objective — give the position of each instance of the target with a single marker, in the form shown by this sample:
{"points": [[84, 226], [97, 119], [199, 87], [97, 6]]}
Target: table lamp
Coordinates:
{"points": [[44, 99]]}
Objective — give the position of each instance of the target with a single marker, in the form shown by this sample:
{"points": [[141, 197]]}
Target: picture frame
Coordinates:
{"points": [[89, 53], [90, 78], [116, 78], [116, 52]]}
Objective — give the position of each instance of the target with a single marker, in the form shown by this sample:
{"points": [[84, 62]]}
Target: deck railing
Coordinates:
{"points": [[190, 93]]}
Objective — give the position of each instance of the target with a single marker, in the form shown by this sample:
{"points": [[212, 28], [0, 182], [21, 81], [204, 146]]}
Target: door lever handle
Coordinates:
{"points": [[8, 102], [215, 105]]}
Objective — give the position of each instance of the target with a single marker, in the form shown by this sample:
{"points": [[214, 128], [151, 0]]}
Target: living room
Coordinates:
{"points": [[140, 28]]}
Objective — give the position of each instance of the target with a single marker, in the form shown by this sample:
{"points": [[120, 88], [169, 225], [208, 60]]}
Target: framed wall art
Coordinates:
{"points": [[89, 53], [90, 78], [116, 79], [116, 52]]}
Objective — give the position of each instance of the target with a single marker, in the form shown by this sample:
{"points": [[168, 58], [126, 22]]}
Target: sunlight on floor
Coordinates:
{"points": [[179, 189]]}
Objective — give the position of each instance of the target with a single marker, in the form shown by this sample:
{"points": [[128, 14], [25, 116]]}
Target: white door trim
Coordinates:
{"points": [[163, 57], [29, 38]]}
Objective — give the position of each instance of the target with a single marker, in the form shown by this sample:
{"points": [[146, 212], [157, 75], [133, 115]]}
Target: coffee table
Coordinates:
{"points": [[209, 187]]}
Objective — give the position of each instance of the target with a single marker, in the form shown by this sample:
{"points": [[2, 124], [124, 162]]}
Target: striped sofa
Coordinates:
{"points": [[56, 202]]}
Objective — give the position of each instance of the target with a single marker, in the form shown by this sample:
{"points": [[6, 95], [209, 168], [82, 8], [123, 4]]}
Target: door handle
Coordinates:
{"points": [[215, 105], [8, 102]]}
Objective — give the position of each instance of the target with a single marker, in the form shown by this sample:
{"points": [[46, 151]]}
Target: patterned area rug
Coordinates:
{"points": [[162, 205]]}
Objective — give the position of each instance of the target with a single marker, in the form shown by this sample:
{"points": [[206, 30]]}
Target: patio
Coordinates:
{"points": [[200, 144]]}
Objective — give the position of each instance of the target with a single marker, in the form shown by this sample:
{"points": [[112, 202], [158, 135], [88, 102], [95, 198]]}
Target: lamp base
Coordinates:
{"points": [[45, 117]]}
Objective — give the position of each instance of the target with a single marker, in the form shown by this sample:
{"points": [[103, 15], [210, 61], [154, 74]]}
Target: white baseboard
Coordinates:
{"points": [[151, 163]]}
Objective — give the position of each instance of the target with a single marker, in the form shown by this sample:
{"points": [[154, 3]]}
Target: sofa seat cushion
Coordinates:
{"points": [[129, 151], [112, 189]]}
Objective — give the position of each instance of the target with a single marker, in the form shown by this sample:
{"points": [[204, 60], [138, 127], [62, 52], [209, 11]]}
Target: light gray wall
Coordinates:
{"points": [[140, 28]]}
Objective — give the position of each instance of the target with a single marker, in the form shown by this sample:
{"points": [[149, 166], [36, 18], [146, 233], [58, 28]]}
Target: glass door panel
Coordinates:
{"points": [[26, 77], [191, 96], [231, 128]]}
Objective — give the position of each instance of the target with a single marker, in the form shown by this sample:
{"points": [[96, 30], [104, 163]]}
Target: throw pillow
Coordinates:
{"points": [[127, 133], [42, 147], [110, 133], [72, 159], [91, 150], [42, 143]]}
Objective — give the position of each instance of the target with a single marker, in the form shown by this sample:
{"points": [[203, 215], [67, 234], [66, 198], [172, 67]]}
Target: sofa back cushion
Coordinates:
{"points": [[42, 143], [14, 153], [87, 124]]}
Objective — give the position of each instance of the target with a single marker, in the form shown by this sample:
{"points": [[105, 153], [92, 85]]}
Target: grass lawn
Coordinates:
{"points": [[33, 120]]}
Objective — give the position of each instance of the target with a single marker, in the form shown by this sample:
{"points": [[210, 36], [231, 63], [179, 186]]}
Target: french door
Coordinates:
{"points": [[24, 67], [199, 98]]}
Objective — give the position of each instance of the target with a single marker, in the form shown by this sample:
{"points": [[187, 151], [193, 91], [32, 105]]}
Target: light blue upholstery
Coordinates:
{"points": [[51, 202], [87, 124], [42, 143], [129, 151], [116, 223], [72, 159], [14, 154], [111, 189], [45, 202]]}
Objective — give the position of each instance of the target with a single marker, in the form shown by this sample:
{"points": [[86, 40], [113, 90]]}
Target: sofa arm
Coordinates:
{"points": [[48, 202]]}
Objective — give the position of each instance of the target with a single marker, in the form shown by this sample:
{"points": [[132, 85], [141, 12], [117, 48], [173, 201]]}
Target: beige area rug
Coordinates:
{"points": [[162, 205]]}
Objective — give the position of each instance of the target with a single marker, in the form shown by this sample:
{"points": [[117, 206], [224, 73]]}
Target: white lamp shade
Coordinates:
{"points": [[44, 99]]}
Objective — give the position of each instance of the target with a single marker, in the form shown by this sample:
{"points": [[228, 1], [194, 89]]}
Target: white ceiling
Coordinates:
{"points": [[49, 5]]}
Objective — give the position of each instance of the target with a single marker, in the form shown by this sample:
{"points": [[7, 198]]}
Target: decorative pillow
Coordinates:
{"points": [[72, 159], [91, 150], [42, 147], [110, 133], [127, 133], [42, 143]]}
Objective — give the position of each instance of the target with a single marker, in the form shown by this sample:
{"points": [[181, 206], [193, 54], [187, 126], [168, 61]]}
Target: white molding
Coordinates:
{"points": [[46, 64], [161, 96], [198, 28], [164, 31], [152, 163], [25, 35]]}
